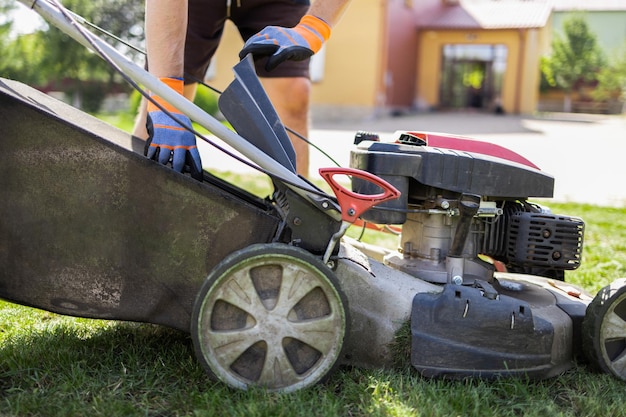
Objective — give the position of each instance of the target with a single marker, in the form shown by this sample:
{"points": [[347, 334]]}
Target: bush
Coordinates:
{"points": [[206, 99], [90, 94], [135, 99]]}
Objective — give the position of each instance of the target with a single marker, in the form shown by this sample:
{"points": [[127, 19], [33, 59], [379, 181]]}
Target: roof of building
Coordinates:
{"points": [[489, 14]]}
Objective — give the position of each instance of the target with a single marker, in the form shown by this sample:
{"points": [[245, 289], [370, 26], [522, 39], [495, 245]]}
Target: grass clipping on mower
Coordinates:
{"points": [[401, 346]]}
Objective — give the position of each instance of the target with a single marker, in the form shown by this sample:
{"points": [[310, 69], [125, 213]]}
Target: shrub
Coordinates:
{"points": [[135, 99], [206, 99]]}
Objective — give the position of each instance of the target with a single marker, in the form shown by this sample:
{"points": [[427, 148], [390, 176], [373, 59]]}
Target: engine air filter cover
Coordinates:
{"points": [[544, 239]]}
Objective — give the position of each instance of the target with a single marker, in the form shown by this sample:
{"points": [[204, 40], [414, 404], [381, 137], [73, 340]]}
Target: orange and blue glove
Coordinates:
{"points": [[297, 43], [167, 139]]}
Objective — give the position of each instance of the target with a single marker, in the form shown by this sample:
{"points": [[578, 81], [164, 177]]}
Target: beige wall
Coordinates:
{"points": [[530, 94], [520, 86], [354, 57]]}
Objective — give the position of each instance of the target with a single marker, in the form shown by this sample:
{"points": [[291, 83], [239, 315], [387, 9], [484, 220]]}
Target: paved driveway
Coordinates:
{"points": [[585, 154]]}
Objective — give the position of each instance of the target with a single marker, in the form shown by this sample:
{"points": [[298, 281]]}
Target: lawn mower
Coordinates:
{"points": [[272, 292]]}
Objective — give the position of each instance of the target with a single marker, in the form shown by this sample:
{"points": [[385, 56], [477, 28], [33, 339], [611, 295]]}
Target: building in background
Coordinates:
{"points": [[481, 54], [422, 55]]}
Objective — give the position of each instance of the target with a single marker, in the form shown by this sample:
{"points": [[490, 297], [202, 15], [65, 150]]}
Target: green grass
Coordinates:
{"points": [[57, 366], [52, 365], [122, 120]]}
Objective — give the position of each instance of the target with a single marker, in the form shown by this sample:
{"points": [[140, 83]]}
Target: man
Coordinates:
{"points": [[166, 27]]}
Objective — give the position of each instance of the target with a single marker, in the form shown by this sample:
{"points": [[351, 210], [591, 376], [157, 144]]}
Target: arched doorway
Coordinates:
{"points": [[472, 76]]}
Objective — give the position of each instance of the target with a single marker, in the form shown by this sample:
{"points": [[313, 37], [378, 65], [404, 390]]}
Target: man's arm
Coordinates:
{"points": [[329, 11], [169, 141], [166, 26]]}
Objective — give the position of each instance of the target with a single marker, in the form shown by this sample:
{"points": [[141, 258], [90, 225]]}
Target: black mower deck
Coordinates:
{"points": [[89, 227]]}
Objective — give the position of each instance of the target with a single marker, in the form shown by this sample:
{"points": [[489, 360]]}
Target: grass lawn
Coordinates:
{"points": [[52, 365]]}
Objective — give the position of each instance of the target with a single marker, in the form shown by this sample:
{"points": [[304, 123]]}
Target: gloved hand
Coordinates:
{"points": [[169, 140], [297, 43]]}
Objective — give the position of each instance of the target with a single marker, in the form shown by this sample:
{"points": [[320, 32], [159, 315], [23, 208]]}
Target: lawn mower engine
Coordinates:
{"points": [[467, 224], [457, 204], [518, 236]]}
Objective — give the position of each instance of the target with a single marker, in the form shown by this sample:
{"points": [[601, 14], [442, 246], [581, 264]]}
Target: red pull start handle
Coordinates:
{"points": [[354, 204]]}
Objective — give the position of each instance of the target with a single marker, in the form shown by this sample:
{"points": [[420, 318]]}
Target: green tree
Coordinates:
{"points": [[18, 60], [5, 24], [612, 81], [50, 57], [576, 58], [16, 54]]}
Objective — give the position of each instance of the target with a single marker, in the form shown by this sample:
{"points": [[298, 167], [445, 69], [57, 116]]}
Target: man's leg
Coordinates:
{"points": [[290, 97], [139, 129]]}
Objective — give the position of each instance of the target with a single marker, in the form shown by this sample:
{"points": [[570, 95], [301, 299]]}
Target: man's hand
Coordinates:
{"points": [[281, 44], [168, 140]]}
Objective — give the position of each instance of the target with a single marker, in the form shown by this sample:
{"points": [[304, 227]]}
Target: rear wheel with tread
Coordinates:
{"points": [[604, 330], [270, 315]]}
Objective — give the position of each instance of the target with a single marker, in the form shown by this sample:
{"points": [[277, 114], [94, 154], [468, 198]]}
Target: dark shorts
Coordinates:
{"points": [[206, 25]]}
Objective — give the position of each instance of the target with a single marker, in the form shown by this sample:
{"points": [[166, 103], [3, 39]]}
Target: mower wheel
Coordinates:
{"points": [[272, 316], [604, 330]]}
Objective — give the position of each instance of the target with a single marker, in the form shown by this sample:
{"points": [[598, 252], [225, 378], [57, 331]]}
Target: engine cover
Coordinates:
{"points": [[410, 168], [434, 182]]}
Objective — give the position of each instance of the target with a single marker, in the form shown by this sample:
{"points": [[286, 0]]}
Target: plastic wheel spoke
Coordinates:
{"points": [[614, 327], [318, 333], [295, 285], [239, 291], [228, 346], [277, 371], [619, 365]]}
